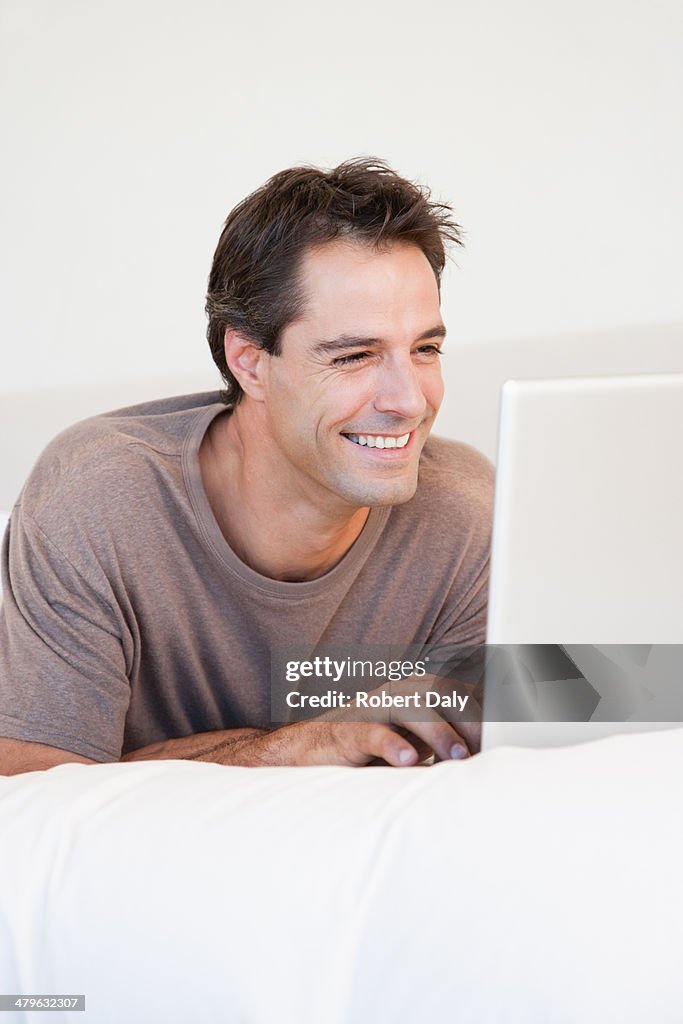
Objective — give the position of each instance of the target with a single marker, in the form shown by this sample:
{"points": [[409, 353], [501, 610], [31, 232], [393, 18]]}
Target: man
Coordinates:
{"points": [[158, 554]]}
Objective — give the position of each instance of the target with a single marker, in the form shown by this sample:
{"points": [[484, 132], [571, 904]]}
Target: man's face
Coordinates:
{"points": [[350, 400]]}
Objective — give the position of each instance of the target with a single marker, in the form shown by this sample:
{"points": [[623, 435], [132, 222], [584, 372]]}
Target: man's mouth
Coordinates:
{"points": [[379, 440]]}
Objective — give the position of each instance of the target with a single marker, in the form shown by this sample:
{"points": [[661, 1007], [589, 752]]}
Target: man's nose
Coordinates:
{"points": [[399, 390]]}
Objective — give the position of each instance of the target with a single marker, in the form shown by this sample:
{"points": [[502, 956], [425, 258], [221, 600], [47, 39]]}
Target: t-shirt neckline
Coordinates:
{"points": [[213, 536]]}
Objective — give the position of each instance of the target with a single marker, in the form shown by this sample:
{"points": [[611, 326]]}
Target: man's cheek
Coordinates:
{"points": [[436, 392]]}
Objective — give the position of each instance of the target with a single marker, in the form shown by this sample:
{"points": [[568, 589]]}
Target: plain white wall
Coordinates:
{"points": [[130, 129]]}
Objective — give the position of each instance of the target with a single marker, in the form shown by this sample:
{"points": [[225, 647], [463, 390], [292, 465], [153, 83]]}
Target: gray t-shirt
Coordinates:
{"points": [[128, 619]]}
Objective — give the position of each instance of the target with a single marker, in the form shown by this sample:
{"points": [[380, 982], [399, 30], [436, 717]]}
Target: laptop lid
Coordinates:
{"points": [[587, 548]]}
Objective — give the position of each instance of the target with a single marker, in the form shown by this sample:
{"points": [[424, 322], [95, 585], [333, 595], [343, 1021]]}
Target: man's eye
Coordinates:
{"points": [[358, 357], [355, 357]]}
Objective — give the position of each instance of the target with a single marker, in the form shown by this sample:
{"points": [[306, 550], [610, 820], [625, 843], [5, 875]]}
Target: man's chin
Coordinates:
{"points": [[386, 494], [372, 490]]}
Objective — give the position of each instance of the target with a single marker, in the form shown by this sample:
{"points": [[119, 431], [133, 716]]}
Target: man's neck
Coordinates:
{"points": [[278, 537]]}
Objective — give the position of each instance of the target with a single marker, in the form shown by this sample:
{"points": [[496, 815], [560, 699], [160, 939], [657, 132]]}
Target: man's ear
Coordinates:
{"points": [[245, 361]]}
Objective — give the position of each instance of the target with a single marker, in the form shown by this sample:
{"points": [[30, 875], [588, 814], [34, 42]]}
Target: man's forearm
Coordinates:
{"points": [[246, 748], [321, 741], [222, 746]]}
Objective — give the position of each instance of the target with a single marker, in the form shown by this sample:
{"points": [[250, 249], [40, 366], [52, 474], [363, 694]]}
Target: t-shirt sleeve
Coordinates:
{"points": [[63, 677], [458, 651], [457, 643]]}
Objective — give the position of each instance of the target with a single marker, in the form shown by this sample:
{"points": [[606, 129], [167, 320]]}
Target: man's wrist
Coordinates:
{"points": [[210, 746], [225, 751], [278, 747]]}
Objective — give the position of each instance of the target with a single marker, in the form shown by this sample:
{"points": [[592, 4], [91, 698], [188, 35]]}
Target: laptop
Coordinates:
{"points": [[585, 622]]}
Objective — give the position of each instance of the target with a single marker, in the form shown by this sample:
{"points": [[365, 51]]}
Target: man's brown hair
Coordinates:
{"points": [[254, 284]]}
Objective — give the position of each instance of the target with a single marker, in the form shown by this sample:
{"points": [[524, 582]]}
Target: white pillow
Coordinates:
{"points": [[520, 885]]}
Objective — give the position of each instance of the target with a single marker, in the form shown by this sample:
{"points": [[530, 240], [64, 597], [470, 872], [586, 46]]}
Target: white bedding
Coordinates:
{"points": [[531, 886]]}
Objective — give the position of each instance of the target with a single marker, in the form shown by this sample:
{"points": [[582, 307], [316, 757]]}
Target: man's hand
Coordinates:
{"points": [[358, 735], [355, 744], [398, 735]]}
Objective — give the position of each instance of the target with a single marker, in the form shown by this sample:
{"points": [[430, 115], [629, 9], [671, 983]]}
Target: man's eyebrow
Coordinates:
{"points": [[345, 341]]}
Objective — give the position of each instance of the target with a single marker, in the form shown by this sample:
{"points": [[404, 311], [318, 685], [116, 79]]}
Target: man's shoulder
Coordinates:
{"points": [[449, 467], [454, 495], [93, 458]]}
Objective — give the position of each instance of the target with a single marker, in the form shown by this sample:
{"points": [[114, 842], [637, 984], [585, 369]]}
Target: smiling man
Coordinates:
{"points": [[336, 423], [159, 553]]}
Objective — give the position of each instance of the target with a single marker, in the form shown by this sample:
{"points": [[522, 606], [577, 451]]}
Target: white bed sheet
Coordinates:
{"points": [[531, 886]]}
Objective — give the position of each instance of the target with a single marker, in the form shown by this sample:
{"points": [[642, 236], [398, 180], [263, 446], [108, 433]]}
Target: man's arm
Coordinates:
{"points": [[322, 741], [19, 756], [306, 743], [351, 744], [319, 742]]}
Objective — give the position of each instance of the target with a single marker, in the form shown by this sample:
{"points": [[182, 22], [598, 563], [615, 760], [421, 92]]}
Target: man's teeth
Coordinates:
{"points": [[378, 441]]}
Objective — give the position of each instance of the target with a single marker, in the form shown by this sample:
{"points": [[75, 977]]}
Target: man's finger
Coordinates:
{"points": [[362, 742], [446, 741]]}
